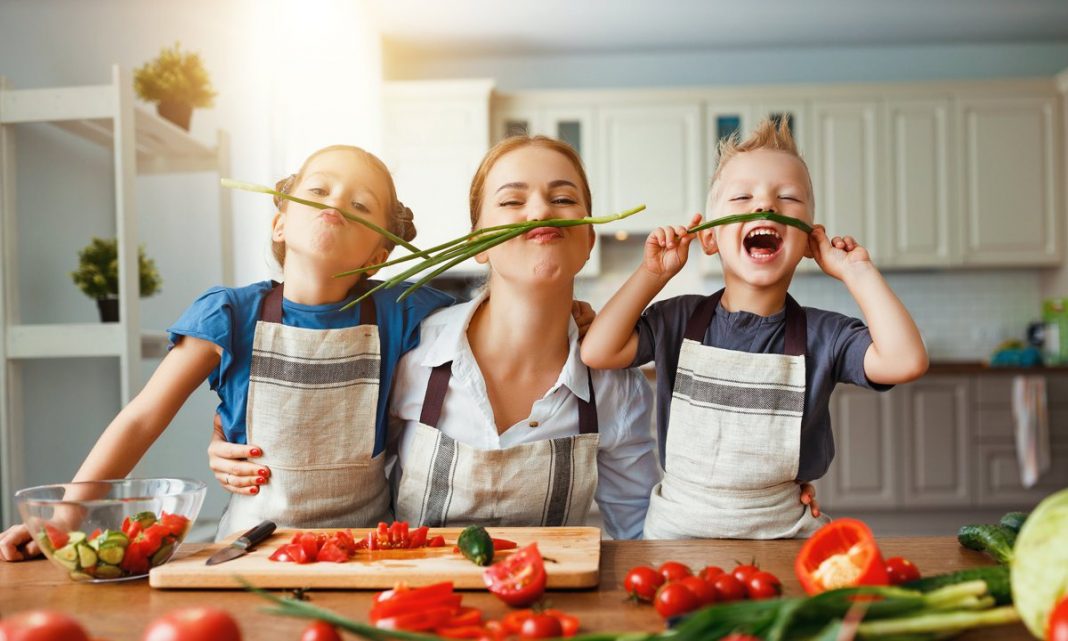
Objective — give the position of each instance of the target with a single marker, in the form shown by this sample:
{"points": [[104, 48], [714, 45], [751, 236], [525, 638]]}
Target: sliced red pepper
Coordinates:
{"points": [[518, 580], [425, 619], [461, 632], [842, 553], [389, 609], [466, 616], [413, 595]]}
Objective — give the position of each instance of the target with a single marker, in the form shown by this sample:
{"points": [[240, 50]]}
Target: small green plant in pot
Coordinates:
{"points": [[177, 81], [98, 275]]}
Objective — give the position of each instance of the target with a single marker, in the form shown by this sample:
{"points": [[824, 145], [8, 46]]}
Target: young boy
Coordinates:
{"points": [[744, 376]]}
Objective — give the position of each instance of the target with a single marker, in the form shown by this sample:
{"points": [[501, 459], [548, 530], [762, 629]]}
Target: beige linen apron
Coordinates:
{"points": [[445, 482], [312, 407], [733, 445]]}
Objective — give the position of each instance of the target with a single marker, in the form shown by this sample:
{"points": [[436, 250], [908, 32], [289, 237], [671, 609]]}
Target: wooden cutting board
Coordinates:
{"points": [[575, 554]]}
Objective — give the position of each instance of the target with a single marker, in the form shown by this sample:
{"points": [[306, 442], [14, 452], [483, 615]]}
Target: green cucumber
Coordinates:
{"points": [[112, 554], [115, 538], [144, 518], [78, 575], [1014, 520], [476, 544], [86, 556], [76, 537], [45, 542], [162, 554], [105, 571], [67, 556], [995, 540], [995, 576]]}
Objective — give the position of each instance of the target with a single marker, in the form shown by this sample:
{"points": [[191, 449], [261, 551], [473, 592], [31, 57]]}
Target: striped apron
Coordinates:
{"points": [[733, 445], [312, 408], [445, 482]]}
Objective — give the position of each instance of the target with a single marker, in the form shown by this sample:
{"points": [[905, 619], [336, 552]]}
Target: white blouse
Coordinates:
{"points": [[626, 461]]}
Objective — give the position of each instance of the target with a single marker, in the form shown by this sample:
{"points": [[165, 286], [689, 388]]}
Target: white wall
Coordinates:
{"points": [[292, 76]]}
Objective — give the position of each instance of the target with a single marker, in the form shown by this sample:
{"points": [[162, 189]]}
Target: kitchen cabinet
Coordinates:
{"points": [[652, 154], [864, 473], [935, 421], [919, 227], [1010, 189]]}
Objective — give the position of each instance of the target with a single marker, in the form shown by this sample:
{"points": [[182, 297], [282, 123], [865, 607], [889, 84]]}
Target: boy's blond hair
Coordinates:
{"points": [[771, 133]]}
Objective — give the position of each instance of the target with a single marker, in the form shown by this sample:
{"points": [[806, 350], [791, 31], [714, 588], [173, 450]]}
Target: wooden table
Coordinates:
{"points": [[120, 611]]}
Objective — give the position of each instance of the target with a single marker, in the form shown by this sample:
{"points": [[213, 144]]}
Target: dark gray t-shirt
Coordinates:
{"points": [[834, 354]]}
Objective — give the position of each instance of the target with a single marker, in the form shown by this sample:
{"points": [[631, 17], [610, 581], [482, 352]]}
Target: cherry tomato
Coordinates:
{"points": [[42, 625], [738, 636], [1058, 622], [320, 631], [541, 626], [642, 582], [673, 570], [742, 572], [728, 588], [763, 585], [701, 589], [568, 622], [673, 599], [901, 570], [710, 572], [519, 579], [193, 624]]}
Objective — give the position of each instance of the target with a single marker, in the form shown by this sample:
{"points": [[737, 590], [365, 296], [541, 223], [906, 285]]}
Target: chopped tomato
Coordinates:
{"points": [[436, 542], [900, 570], [504, 544], [95, 534], [331, 552], [518, 580], [841, 554], [418, 537], [292, 553], [513, 621], [1057, 629], [568, 622], [175, 523], [57, 538]]}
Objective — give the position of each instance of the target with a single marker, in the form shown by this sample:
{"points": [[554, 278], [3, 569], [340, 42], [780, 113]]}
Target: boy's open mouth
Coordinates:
{"points": [[762, 243]]}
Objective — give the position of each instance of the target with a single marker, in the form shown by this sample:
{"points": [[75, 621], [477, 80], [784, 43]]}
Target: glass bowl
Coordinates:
{"points": [[103, 531]]}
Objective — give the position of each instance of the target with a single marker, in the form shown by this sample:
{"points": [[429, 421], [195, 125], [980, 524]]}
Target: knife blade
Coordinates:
{"points": [[243, 544]]}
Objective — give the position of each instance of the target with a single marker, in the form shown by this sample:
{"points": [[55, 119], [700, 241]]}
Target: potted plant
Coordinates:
{"points": [[177, 82], [98, 275]]}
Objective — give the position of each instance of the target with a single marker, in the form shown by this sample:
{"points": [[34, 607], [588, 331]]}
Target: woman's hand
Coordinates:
{"points": [[229, 462], [808, 497], [16, 544], [583, 314], [667, 249]]}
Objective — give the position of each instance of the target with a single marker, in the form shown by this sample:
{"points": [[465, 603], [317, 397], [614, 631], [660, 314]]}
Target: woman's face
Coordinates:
{"points": [[535, 183]]}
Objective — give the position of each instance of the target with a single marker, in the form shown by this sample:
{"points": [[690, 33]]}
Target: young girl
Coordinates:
{"points": [[307, 381]]}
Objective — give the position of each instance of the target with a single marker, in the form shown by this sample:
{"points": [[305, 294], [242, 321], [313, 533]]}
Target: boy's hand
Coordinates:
{"points": [[836, 256], [583, 314], [667, 249]]}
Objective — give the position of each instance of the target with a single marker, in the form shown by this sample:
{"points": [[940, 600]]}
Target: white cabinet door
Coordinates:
{"points": [[845, 168], [863, 474], [920, 227], [651, 154], [1010, 180], [434, 136], [936, 420], [722, 120]]}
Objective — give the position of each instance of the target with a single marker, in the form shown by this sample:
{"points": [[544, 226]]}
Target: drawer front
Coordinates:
{"points": [[999, 477]]}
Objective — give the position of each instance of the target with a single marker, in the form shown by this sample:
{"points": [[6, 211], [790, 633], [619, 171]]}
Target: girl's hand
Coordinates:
{"points": [[583, 314], [229, 462], [667, 249], [836, 256], [808, 497], [16, 544]]}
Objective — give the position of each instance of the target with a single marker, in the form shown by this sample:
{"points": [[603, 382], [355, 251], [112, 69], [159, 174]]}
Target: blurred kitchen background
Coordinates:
{"points": [[935, 131]]}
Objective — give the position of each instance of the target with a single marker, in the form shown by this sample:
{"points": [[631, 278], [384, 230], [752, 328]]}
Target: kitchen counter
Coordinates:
{"points": [[964, 368], [120, 611]]}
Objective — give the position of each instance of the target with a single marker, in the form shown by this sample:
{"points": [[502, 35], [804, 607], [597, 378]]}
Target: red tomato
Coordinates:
{"points": [[710, 572], [331, 552], [193, 624], [901, 570], [742, 572], [701, 589], [738, 636], [763, 585], [1058, 622], [673, 599], [518, 580], [673, 570], [320, 631], [41, 625], [56, 537], [641, 582], [513, 621], [541, 626], [728, 588], [436, 542], [568, 622]]}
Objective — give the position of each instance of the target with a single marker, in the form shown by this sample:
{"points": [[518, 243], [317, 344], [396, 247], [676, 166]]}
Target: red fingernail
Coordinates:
{"points": [[256, 451], [254, 490], [261, 472], [260, 481]]}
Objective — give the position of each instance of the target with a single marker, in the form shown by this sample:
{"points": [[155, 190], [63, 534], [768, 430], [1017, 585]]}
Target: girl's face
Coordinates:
{"points": [[535, 183], [761, 252], [345, 181]]}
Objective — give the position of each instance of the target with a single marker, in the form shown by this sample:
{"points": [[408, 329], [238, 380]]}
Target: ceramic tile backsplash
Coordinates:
{"points": [[963, 315]]}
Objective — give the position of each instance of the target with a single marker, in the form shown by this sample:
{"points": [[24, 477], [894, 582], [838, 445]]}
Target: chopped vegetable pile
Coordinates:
{"points": [[340, 546]]}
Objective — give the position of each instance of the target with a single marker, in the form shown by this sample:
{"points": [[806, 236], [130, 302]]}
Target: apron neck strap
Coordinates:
{"points": [[796, 327], [271, 310], [438, 385]]}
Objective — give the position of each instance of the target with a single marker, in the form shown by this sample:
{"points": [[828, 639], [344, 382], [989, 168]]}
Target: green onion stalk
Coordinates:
{"points": [[445, 256], [236, 184], [758, 215]]}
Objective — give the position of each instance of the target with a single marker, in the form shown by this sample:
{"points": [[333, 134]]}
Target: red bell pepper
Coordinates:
{"points": [[841, 554]]}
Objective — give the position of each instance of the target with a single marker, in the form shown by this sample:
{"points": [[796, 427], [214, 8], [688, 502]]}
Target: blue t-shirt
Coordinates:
{"points": [[227, 317]]}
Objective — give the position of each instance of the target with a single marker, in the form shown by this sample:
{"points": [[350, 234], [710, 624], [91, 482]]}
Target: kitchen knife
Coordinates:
{"points": [[243, 544]]}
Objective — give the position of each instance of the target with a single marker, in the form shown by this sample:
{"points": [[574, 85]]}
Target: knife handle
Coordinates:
{"points": [[256, 534]]}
